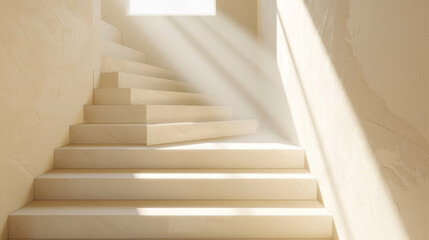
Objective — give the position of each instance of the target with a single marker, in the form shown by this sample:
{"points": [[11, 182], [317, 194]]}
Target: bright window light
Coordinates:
{"points": [[171, 7]]}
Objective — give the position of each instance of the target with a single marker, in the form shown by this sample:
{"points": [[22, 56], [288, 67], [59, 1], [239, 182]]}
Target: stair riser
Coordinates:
{"points": [[110, 64], [110, 48], [150, 97], [114, 114], [120, 227], [154, 114], [175, 188], [110, 32], [191, 158], [125, 80], [87, 134], [157, 134]]}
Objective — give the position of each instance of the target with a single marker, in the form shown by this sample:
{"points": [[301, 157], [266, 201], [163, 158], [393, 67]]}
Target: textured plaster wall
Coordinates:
{"points": [[47, 57], [356, 78], [218, 53]]}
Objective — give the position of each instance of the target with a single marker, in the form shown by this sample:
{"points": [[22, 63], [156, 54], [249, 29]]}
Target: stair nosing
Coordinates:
{"points": [[166, 174], [162, 105], [161, 124], [102, 207]]}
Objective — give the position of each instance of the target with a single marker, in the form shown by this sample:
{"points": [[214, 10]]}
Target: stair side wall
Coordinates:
{"points": [[48, 54]]}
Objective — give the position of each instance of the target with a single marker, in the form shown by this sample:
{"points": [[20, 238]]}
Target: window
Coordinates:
{"points": [[171, 7]]}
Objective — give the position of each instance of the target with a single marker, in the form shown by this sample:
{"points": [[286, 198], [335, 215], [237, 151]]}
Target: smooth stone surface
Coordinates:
{"points": [[110, 32], [155, 113], [113, 49], [108, 133], [171, 219], [176, 184], [111, 64], [158, 133], [120, 96], [180, 132], [129, 80], [209, 154]]}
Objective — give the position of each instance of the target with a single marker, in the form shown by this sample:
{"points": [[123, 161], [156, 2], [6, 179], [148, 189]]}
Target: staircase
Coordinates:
{"points": [[145, 165]]}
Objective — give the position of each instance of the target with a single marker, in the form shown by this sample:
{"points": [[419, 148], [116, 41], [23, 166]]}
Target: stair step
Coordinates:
{"points": [[110, 32], [114, 49], [112, 64], [150, 134], [145, 96], [232, 184], [195, 155], [128, 80], [155, 113], [171, 219]]}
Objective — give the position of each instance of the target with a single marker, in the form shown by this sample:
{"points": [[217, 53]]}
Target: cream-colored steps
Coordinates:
{"points": [[109, 184], [155, 97], [114, 49], [171, 219], [128, 80], [158, 133], [170, 184], [155, 113], [112, 64], [110, 32], [210, 155]]}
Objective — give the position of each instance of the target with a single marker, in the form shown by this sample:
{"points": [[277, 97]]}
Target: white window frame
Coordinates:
{"points": [[170, 13]]}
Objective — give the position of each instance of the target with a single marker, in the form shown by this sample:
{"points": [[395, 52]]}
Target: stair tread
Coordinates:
{"points": [[174, 208], [179, 173]]}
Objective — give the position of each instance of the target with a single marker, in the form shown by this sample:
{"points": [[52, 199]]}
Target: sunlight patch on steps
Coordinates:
{"points": [[232, 211], [221, 176]]}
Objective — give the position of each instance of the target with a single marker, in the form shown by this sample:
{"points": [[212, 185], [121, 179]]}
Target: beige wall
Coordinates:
{"points": [[219, 53], [47, 57], [356, 78]]}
